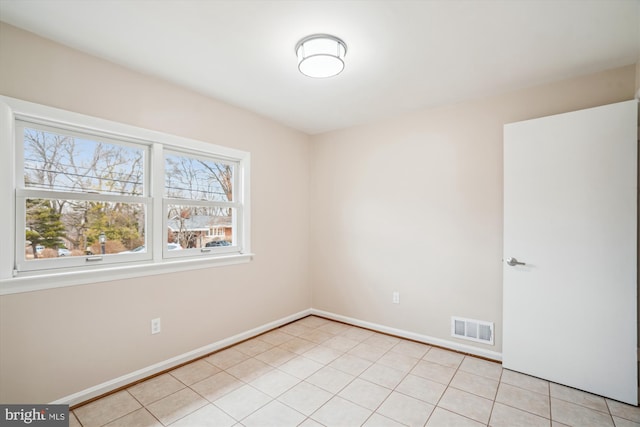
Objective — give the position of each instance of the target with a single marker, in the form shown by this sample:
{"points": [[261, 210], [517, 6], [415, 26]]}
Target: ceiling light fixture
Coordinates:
{"points": [[321, 55]]}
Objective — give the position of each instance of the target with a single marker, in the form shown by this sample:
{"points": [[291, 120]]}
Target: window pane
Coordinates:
{"points": [[198, 179], [57, 228], [199, 227], [58, 162]]}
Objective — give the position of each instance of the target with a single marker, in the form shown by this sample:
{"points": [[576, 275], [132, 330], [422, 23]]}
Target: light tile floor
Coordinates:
{"points": [[316, 372]]}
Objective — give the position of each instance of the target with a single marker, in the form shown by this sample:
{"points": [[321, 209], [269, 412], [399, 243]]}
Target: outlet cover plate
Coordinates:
{"points": [[155, 326]]}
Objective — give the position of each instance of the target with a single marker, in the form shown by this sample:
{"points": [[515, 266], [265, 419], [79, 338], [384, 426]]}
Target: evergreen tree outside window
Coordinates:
{"points": [[75, 187], [44, 227]]}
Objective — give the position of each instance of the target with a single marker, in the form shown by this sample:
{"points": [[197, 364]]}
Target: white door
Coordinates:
{"points": [[570, 215]]}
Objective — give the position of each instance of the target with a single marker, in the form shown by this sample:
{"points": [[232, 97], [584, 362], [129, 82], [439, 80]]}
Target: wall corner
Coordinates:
{"points": [[637, 92]]}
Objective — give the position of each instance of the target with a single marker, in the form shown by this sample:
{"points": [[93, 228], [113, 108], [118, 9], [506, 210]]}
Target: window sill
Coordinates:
{"points": [[39, 282]]}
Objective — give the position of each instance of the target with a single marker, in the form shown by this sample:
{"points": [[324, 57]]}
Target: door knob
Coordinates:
{"points": [[513, 262]]}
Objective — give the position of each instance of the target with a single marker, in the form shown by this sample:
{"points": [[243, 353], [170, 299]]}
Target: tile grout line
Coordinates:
{"points": [[454, 387], [619, 415], [436, 404], [203, 379], [336, 394], [445, 389], [392, 390], [343, 351], [272, 399], [247, 383], [550, 408], [528, 391], [495, 397], [308, 417], [345, 386], [610, 413]]}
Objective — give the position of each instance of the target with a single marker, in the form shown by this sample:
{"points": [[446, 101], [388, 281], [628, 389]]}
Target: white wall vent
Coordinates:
{"points": [[473, 330]]}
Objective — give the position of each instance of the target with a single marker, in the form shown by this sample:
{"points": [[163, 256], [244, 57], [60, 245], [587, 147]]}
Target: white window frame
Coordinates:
{"points": [[23, 193], [157, 260], [235, 204]]}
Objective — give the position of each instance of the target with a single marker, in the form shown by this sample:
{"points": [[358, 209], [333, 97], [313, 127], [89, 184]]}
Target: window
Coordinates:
{"points": [[88, 194], [80, 198], [198, 198]]}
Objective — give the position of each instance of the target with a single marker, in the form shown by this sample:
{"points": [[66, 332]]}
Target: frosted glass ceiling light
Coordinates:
{"points": [[321, 55]]}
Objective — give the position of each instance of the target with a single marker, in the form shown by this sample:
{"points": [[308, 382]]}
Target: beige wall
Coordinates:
{"points": [[57, 342], [414, 204]]}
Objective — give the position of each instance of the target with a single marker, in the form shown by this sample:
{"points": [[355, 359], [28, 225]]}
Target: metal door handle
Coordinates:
{"points": [[513, 262]]}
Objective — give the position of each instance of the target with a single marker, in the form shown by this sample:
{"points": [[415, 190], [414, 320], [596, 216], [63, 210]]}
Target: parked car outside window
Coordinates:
{"points": [[218, 243], [64, 252]]}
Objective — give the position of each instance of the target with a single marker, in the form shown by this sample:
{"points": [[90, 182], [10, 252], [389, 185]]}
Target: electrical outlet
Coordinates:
{"points": [[155, 326], [396, 297]]}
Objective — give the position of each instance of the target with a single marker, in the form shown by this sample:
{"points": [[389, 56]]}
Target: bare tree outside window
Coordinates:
{"points": [[196, 225], [60, 163], [90, 197]]}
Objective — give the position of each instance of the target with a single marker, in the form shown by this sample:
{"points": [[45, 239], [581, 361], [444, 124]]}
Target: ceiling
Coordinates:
{"points": [[402, 55]]}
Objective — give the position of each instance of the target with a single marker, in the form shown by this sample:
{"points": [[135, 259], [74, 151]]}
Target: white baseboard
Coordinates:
{"points": [[476, 351], [106, 387]]}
